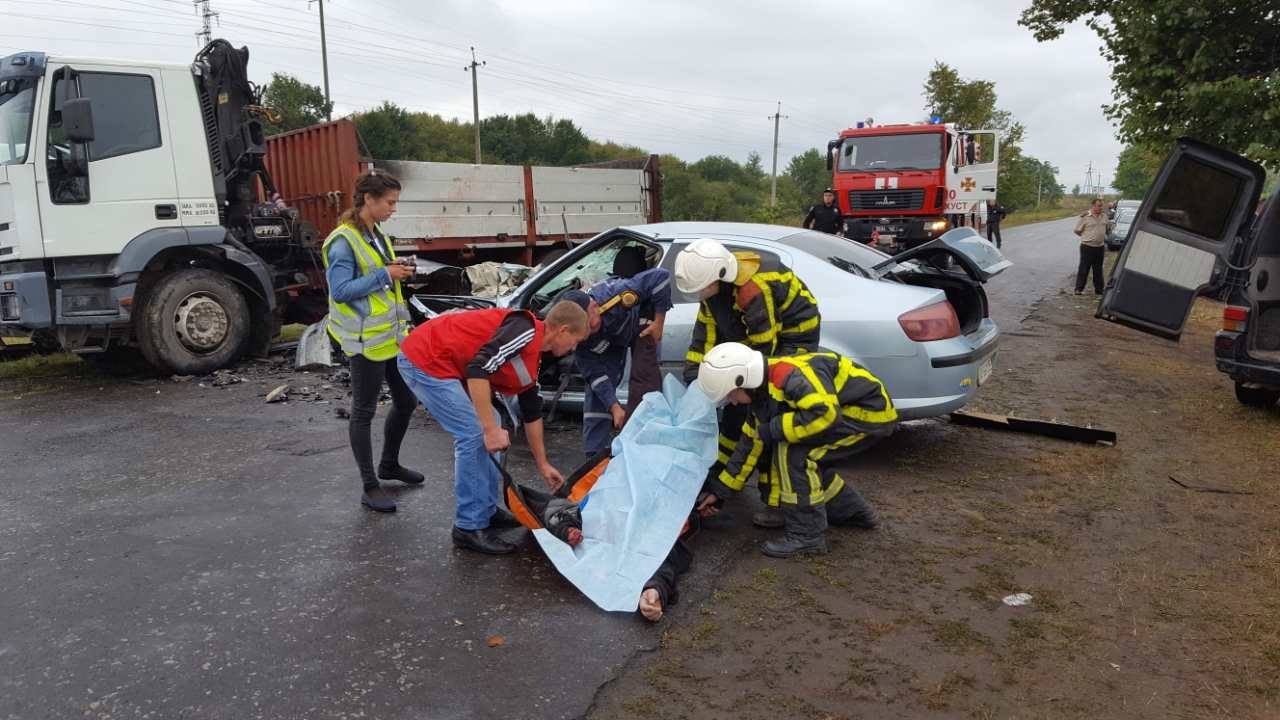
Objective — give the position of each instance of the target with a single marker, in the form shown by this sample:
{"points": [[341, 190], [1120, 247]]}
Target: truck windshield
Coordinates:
{"points": [[916, 151], [15, 123]]}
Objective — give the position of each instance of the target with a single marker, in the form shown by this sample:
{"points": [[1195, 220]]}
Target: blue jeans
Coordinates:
{"points": [[475, 478]]}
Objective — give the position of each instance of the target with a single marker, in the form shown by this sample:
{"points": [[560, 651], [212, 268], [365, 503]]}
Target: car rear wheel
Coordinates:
{"points": [[1256, 396]]}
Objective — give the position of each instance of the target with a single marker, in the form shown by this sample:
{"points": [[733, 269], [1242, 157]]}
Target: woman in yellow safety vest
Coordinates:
{"points": [[368, 318]]}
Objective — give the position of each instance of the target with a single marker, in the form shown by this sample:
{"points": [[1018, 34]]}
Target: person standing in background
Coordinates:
{"points": [[1092, 230]]}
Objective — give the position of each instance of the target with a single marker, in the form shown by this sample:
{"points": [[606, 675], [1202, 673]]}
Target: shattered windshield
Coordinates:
{"points": [[16, 108], [914, 151]]}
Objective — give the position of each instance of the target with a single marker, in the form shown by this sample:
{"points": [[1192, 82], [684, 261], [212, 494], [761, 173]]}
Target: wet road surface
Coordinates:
{"points": [[176, 551]]}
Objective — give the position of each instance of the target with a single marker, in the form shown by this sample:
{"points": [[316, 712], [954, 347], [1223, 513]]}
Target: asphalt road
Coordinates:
{"points": [[175, 551]]}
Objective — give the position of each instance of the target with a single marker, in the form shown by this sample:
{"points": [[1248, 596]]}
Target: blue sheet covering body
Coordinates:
{"points": [[633, 515]]}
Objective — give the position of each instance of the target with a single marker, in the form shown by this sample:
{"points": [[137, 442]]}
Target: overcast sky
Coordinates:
{"points": [[688, 77]]}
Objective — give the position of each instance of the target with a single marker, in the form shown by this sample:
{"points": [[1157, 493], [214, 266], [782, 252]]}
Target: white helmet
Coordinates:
{"points": [[728, 366], [702, 263]]}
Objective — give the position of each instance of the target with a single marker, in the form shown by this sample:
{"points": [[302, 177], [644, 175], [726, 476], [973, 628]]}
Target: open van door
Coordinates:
{"points": [[1186, 233]]}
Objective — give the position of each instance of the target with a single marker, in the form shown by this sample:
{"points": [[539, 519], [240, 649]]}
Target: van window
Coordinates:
{"points": [[1198, 198]]}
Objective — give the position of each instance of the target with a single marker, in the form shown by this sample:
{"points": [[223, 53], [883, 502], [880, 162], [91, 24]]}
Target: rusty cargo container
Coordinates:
{"points": [[459, 213]]}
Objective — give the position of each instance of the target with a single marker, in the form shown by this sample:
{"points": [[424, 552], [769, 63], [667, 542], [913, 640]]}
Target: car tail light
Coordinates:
{"points": [[935, 322], [1235, 318]]}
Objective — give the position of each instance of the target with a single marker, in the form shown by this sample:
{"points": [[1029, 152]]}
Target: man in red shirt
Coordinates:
{"points": [[453, 363]]}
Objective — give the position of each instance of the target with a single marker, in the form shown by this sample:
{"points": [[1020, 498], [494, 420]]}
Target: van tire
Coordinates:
{"points": [[192, 322], [1256, 396]]}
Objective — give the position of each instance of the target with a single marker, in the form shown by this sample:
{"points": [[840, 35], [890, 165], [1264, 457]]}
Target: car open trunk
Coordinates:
{"points": [[966, 296], [957, 263]]}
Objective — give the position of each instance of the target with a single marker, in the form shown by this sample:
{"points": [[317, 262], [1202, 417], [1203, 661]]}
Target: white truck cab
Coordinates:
{"points": [[122, 188]]}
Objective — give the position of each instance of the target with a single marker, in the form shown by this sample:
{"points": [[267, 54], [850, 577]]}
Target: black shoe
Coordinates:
{"points": [[502, 518], [378, 499], [483, 540], [790, 546], [401, 473]]}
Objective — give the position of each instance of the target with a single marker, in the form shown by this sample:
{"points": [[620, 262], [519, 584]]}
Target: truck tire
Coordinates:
{"points": [[193, 322], [1256, 396]]}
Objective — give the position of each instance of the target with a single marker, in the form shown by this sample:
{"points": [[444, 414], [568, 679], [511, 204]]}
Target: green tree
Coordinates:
{"points": [[1136, 170], [297, 103], [389, 132], [970, 104], [1205, 68], [810, 176]]}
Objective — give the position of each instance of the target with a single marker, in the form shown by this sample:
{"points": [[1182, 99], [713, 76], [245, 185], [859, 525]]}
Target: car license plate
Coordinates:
{"points": [[985, 369], [882, 228]]}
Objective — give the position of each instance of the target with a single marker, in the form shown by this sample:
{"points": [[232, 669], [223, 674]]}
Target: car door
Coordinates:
{"points": [[1183, 238]]}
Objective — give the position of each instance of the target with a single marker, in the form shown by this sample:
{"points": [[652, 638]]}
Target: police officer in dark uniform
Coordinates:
{"points": [[995, 213], [825, 217]]}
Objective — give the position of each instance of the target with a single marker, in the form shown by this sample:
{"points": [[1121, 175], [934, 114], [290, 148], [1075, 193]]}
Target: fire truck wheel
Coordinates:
{"points": [[193, 322]]}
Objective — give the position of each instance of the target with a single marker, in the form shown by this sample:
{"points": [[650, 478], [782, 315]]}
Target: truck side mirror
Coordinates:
{"points": [[832, 145], [77, 120]]}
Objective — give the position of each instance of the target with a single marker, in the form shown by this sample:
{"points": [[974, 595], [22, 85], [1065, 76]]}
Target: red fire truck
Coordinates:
{"points": [[900, 186]]}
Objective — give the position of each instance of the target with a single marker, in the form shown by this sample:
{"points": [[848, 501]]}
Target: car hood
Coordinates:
{"points": [[979, 259]]}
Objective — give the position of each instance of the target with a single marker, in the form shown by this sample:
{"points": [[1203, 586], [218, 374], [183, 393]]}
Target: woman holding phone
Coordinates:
{"points": [[368, 319]]}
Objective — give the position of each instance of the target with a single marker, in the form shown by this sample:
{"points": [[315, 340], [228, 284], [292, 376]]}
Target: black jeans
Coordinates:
{"points": [[993, 229], [1090, 259], [366, 385]]}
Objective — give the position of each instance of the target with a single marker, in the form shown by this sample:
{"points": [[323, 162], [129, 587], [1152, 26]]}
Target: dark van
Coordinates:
{"points": [[1199, 232]]}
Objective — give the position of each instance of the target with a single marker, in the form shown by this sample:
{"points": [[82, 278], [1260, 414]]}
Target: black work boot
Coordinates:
{"points": [[375, 498], [849, 509], [483, 540], [396, 471], [803, 535]]}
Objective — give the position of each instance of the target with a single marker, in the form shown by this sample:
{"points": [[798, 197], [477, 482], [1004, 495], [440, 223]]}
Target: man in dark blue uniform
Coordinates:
{"points": [[614, 309]]}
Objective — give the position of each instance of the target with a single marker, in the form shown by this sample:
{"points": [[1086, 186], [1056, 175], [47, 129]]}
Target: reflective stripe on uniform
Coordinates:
{"points": [[377, 335]]}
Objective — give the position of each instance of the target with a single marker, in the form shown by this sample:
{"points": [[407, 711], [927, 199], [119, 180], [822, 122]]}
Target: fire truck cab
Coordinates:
{"points": [[900, 186]]}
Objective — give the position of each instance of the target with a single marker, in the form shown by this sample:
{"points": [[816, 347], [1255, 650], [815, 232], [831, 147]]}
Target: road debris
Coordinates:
{"points": [[1047, 428], [1208, 488], [280, 394], [223, 378], [1017, 599], [342, 413], [494, 641]]}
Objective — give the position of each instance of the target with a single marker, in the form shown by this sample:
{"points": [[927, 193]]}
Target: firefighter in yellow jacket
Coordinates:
{"points": [[772, 312], [807, 412]]}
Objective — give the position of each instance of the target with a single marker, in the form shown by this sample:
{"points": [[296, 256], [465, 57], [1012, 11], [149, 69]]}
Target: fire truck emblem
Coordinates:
{"points": [[968, 184]]}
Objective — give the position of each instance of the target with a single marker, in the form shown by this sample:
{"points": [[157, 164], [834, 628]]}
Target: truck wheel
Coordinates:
{"points": [[193, 322], [1256, 396]]}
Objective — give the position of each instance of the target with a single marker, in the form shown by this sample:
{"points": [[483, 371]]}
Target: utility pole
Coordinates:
{"points": [[205, 34], [1088, 179], [324, 60], [773, 184], [475, 100], [1039, 187]]}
